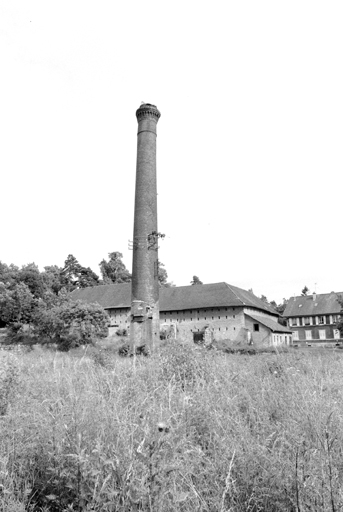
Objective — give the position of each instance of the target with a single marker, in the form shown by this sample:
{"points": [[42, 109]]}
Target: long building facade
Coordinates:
{"points": [[197, 313]]}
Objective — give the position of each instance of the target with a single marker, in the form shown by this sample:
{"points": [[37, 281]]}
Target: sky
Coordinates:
{"points": [[249, 146]]}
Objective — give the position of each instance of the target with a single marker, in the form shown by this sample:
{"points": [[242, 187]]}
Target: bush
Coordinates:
{"points": [[71, 323]]}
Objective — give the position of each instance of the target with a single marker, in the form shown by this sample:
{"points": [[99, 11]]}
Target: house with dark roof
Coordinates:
{"points": [[209, 311], [314, 318]]}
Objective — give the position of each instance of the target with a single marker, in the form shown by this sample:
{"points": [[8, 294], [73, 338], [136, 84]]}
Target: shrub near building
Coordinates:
{"points": [[72, 323]]}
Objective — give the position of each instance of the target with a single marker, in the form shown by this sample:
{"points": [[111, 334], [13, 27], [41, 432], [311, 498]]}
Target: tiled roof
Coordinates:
{"points": [[176, 297], [268, 322], [320, 304]]}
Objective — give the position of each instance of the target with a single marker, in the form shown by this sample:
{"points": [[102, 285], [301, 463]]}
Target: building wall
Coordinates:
{"points": [[262, 337], [225, 323], [120, 318], [315, 328], [278, 338]]}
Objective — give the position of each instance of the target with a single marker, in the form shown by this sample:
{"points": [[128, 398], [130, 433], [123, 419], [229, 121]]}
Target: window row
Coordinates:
{"points": [[313, 320], [322, 335]]}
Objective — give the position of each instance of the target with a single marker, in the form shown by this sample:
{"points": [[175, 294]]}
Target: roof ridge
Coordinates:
{"points": [[230, 288], [310, 295]]}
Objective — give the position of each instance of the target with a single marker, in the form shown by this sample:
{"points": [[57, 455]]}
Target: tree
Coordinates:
{"points": [[280, 308], [87, 278], [195, 281], [30, 275], [77, 276], [114, 270], [54, 278], [163, 275], [264, 299], [8, 273], [304, 291], [17, 305]]}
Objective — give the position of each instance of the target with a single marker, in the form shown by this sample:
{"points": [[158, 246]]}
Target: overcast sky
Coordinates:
{"points": [[249, 147]]}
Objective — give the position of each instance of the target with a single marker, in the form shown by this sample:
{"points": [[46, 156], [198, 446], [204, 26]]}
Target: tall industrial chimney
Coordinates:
{"points": [[145, 326]]}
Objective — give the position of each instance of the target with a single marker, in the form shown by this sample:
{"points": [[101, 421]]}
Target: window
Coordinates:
{"points": [[218, 317], [294, 321], [308, 335], [336, 334], [234, 316], [321, 319], [322, 334], [256, 327], [307, 320], [295, 335]]}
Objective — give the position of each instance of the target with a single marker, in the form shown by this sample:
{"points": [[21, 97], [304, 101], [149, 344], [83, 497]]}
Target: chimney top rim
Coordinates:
{"points": [[148, 110]]}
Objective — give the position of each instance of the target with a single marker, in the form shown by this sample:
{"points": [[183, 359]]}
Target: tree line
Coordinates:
{"points": [[38, 304]]}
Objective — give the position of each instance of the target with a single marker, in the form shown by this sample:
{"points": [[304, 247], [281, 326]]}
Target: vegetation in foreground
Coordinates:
{"points": [[183, 430]]}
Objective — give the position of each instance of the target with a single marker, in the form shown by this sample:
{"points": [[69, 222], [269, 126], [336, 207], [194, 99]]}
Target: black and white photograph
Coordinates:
{"points": [[171, 285]]}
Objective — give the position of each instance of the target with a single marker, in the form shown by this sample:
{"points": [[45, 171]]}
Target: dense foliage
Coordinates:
{"points": [[38, 305]]}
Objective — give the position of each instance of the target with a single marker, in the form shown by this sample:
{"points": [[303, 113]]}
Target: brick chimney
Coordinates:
{"points": [[144, 329]]}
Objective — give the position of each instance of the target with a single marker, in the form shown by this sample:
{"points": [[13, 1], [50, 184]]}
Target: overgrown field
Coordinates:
{"points": [[184, 430]]}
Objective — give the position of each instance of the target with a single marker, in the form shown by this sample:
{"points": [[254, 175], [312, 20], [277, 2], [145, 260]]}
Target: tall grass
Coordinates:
{"points": [[184, 430]]}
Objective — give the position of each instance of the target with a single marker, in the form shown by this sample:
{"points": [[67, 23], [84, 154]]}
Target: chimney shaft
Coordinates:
{"points": [[144, 328]]}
